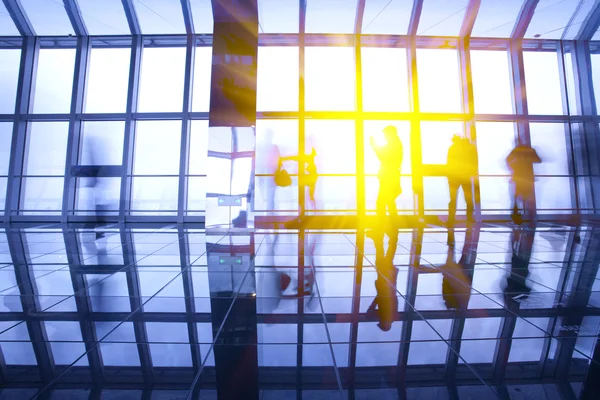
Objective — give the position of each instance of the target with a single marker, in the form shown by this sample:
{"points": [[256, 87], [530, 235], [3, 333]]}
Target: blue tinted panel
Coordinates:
{"points": [[202, 15], [16, 353], [496, 18], [7, 26], [277, 79], [552, 16], [10, 60], [386, 17], [54, 81], [278, 16], [107, 83], [159, 16], [330, 16], [66, 342], [48, 17], [42, 194], [106, 17], [442, 17]]}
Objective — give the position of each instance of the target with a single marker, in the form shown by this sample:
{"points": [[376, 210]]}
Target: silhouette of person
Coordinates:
{"points": [[520, 163], [311, 173], [461, 167], [457, 278], [515, 288], [271, 154], [385, 304], [390, 158]]}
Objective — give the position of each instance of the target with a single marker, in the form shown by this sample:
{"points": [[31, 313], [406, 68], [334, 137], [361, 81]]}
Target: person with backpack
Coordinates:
{"points": [[520, 163], [461, 168], [390, 158]]}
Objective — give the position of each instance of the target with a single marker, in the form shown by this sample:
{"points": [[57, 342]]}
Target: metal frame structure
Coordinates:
{"points": [[585, 146]]}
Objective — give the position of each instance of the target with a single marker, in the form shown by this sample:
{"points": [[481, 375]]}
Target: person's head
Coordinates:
{"points": [[456, 138], [390, 132]]}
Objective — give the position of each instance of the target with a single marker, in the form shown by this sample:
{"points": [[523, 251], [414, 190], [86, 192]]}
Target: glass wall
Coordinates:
{"points": [[130, 122]]}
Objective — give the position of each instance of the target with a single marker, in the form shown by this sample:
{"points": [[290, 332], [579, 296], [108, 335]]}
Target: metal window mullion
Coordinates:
{"points": [[502, 350], [188, 19], [25, 87], [189, 297], [84, 308], [184, 154], [132, 18], [75, 16], [415, 17], [130, 127], [524, 18], [136, 303], [82, 58], [469, 19], [19, 17], [30, 304], [415, 128], [301, 109], [456, 333], [358, 273], [359, 122], [590, 25], [519, 91]]}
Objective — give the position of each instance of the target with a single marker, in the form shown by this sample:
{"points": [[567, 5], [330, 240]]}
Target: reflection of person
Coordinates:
{"points": [[385, 304], [461, 167], [270, 151], [390, 157], [458, 277], [515, 288], [520, 163]]}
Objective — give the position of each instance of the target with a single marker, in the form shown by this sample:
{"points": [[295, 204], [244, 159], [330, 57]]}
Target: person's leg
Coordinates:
{"points": [[468, 192], [453, 189], [381, 205]]}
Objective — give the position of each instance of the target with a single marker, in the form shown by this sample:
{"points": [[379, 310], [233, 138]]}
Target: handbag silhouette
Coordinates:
{"points": [[282, 177]]}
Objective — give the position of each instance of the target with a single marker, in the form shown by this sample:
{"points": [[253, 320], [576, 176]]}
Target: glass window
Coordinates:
{"points": [[169, 344], [570, 72], [426, 345], [373, 353], [496, 19], [442, 17], [275, 138], [161, 81], [277, 79], [439, 80], [66, 342], [54, 81], [10, 60], [544, 96], [495, 140], [595, 58], [329, 78], [5, 144], [475, 350], [394, 21], [553, 193], [334, 143], [551, 17], [154, 195], [202, 15], [198, 148], [7, 26], [46, 148], [119, 347], [436, 138], [550, 142], [159, 17], [102, 192], [330, 16], [15, 345], [49, 18], [107, 82], [157, 147], [196, 195], [492, 86], [104, 18], [278, 16], [202, 74], [385, 79], [102, 143]]}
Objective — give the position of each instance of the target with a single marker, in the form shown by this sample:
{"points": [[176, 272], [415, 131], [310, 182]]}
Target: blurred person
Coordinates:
{"points": [[520, 163], [385, 304], [390, 157], [310, 170], [461, 168], [269, 164]]}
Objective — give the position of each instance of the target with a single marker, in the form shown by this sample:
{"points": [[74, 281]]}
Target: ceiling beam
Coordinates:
{"points": [[19, 17], [590, 25], [360, 13], [415, 16], [132, 18], [470, 17], [186, 7], [74, 13], [524, 18]]}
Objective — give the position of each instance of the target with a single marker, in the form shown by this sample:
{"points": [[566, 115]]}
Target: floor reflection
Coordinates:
{"points": [[173, 312]]}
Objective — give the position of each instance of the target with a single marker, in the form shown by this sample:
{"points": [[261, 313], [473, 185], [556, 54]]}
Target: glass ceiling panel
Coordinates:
{"points": [[106, 17], [551, 17], [49, 18], [385, 17], [496, 18], [278, 16], [578, 18], [442, 17], [202, 15], [160, 16], [7, 26], [330, 16]]}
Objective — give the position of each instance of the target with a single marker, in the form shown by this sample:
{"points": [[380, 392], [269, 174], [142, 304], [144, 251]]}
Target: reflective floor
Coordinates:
{"points": [[171, 312]]}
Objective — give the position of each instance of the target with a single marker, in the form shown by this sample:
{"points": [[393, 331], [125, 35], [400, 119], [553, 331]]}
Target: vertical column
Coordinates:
{"points": [[27, 71], [232, 116], [233, 312], [359, 136]]}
